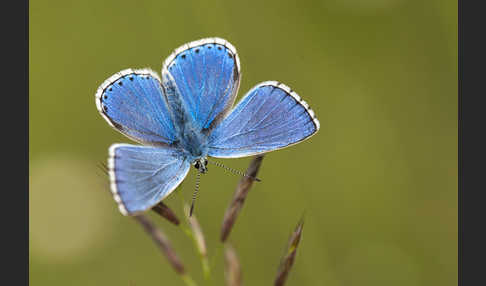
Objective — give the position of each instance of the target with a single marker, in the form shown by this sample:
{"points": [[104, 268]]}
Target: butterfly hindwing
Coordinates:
{"points": [[133, 102], [207, 75], [270, 116], [141, 176]]}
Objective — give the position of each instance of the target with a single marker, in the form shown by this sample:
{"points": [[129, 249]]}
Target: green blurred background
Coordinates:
{"points": [[378, 182]]}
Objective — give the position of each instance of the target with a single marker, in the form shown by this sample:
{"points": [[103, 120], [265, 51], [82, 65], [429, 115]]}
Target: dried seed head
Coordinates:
{"points": [[164, 211], [239, 196], [232, 267], [162, 242], [289, 257]]}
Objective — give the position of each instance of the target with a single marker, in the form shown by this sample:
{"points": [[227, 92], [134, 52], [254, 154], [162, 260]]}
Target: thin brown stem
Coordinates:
{"points": [[239, 196], [162, 242], [232, 267]]}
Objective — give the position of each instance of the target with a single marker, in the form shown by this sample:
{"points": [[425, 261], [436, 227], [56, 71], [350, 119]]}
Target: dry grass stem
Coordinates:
{"points": [[197, 232], [289, 257], [198, 237], [232, 267], [164, 211], [162, 242], [239, 196]]}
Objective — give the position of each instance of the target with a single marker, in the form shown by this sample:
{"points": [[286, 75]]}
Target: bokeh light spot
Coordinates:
{"points": [[66, 201]]}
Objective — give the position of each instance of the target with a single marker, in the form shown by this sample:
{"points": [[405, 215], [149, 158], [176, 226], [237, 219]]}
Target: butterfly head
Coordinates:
{"points": [[200, 164]]}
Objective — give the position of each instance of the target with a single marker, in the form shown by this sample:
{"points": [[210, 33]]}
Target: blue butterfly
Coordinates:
{"points": [[186, 116]]}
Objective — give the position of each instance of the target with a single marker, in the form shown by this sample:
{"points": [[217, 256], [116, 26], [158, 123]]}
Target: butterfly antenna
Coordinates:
{"points": [[234, 171], [194, 195]]}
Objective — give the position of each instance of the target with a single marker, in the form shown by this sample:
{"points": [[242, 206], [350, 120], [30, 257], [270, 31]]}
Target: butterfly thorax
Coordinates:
{"points": [[193, 143]]}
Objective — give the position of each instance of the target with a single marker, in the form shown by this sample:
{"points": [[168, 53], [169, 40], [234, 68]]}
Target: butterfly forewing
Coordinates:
{"points": [[133, 102], [207, 76]]}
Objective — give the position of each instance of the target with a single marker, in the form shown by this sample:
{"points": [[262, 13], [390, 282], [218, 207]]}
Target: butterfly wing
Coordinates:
{"points": [[134, 103], [270, 116], [141, 176], [207, 75]]}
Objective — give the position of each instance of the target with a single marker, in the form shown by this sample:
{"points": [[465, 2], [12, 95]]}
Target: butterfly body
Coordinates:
{"points": [[193, 142], [185, 117]]}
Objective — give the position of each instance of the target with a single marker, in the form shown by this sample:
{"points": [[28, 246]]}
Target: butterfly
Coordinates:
{"points": [[186, 116]]}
